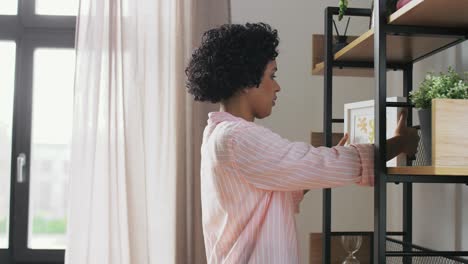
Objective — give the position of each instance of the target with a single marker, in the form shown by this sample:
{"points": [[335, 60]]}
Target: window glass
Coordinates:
{"points": [[57, 7], [8, 7], [7, 77], [50, 146]]}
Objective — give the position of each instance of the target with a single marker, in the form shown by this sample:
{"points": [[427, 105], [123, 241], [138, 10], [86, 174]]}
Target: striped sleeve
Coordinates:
{"points": [[366, 154], [268, 161]]}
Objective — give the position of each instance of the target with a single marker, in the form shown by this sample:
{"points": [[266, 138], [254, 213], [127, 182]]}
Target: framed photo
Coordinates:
{"points": [[359, 124]]}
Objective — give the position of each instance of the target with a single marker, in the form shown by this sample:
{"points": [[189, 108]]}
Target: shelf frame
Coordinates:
{"points": [[380, 123], [380, 33], [407, 28], [327, 127], [407, 202]]}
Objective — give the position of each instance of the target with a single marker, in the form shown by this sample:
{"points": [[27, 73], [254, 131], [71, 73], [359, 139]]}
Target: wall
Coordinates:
{"points": [[439, 221]]}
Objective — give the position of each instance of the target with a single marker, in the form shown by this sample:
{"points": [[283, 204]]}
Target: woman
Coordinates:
{"points": [[252, 179]]}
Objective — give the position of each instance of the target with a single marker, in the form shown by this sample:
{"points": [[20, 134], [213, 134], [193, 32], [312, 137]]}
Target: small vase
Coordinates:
{"points": [[425, 120], [401, 3], [340, 43]]}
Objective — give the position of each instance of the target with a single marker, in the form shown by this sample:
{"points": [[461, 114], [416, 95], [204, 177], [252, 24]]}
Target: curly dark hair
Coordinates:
{"points": [[230, 58]]}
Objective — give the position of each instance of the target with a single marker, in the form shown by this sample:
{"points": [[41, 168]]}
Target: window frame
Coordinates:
{"points": [[29, 31]]}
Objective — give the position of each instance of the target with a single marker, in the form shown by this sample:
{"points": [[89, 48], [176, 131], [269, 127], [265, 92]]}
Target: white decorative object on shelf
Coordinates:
{"points": [[359, 124]]}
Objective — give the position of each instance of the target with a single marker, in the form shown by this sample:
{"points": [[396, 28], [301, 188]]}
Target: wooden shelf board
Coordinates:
{"points": [[440, 13], [400, 49], [429, 170]]}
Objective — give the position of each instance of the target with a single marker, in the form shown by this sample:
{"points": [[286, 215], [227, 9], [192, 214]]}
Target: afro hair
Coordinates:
{"points": [[230, 58]]}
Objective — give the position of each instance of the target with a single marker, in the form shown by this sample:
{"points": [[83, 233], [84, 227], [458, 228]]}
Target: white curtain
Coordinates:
{"points": [[134, 189]]}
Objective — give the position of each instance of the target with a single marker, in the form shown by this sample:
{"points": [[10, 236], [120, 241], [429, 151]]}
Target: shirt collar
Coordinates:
{"points": [[218, 117]]}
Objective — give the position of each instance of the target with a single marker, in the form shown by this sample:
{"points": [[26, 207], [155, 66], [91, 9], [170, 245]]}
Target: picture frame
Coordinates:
{"points": [[359, 124]]}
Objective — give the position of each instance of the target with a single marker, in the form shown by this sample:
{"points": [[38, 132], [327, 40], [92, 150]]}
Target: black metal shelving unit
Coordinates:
{"points": [[385, 249]]}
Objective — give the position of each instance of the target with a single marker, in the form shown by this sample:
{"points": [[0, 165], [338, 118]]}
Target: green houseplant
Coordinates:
{"points": [[343, 5], [448, 85]]}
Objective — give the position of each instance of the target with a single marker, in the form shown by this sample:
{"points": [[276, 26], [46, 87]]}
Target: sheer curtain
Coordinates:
{"points": [[134, 189]]}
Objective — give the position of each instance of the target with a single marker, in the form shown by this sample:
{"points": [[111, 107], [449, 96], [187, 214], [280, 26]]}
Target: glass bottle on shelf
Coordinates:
{"points": [[351, 244]]}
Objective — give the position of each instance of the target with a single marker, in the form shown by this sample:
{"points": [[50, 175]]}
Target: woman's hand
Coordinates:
{"points": [[343, 140], [406, 139], [409, 135]]}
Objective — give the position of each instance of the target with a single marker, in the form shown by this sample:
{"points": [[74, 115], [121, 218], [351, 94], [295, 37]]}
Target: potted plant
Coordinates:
{"points": [[343, 5], [448, 85]]}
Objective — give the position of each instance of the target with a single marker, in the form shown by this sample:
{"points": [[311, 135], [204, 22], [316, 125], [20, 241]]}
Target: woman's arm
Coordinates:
{"points": [[271, 162]]}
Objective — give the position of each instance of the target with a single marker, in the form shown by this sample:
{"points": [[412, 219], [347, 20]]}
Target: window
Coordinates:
{"points": [[7, 72], [36, 104]]}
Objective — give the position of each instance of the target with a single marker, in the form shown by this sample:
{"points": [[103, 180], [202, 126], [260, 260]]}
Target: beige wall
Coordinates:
{"points": [[438, 220]]}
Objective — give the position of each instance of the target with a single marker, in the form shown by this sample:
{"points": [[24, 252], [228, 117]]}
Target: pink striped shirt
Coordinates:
{"points": [[252, 182]]}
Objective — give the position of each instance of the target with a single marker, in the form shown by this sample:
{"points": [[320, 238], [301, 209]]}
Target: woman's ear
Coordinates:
{"points": [[245, 90]]}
